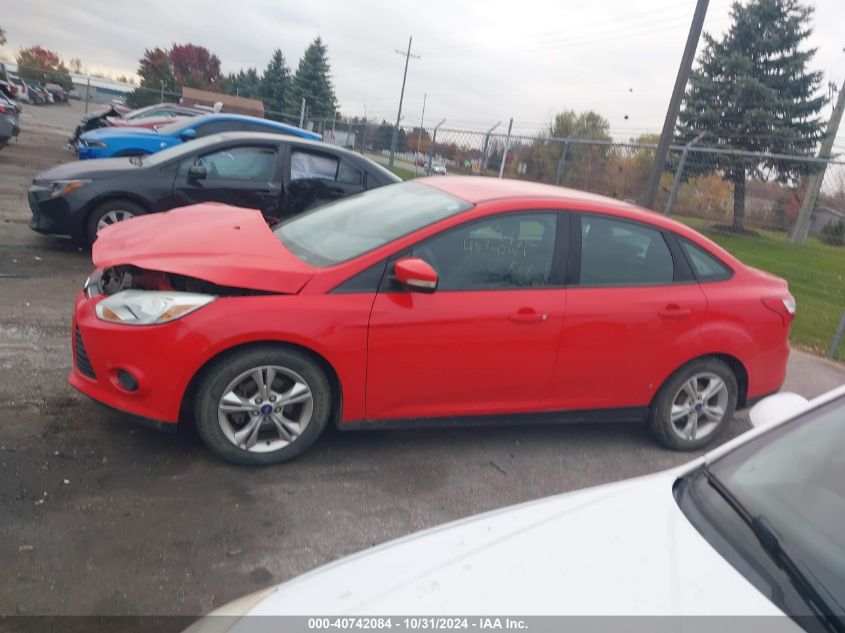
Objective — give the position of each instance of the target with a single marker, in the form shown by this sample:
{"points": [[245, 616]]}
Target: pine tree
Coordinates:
{"points": [[313, 82], [276, 83], [245, 83], [752, 91]]}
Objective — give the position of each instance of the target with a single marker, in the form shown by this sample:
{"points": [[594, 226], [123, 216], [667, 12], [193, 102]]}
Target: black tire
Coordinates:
{"points": [[659, 419], [221, 373], [131, 152], [111, 205]]}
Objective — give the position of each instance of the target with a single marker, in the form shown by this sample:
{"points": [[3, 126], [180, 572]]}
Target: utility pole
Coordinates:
{"points": [[419, 136], [675, 103], [302, 113], [814, 182], [161, 93], [393, 140]]}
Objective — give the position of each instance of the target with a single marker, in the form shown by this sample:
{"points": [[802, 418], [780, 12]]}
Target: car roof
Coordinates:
{"points": [[223, 116], [476, 189]]}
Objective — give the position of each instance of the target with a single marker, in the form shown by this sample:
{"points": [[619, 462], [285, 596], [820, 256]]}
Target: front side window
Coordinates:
{"points": [[505, 252], [616, 252], [349, 227], [251, 164]]}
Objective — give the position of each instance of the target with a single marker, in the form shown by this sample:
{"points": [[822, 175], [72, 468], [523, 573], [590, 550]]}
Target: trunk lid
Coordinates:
{"points": [[218, 243]]}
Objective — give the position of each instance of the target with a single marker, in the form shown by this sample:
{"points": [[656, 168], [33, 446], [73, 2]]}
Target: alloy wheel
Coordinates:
{"points": [[699, 406], [114, 216], [265, 409]]}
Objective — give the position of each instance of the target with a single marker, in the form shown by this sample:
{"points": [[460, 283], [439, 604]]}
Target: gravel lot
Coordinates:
{"points": [[100, 516]]}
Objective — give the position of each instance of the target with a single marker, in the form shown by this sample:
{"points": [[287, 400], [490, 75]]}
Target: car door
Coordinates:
{"points": [[485, 341], [634, 312], [245, 175], [319, 176]]}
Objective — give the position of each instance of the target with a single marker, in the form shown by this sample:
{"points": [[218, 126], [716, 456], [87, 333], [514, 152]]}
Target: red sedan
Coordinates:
{"points": [[435, 301]]}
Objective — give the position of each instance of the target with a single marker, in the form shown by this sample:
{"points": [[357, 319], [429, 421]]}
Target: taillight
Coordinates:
{"points": [[784, 306]]}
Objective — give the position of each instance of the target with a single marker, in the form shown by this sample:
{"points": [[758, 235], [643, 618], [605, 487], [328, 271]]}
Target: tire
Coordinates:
{"points": [[120, 208], [699, 427], [131, 152], [259, 427]]}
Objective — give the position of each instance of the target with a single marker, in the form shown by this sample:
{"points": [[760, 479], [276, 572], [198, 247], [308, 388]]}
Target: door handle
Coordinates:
{"points": [[525, 316], [673, 311]]}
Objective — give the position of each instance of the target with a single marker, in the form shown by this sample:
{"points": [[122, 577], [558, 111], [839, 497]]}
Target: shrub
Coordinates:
{"points": [[834, 233]]}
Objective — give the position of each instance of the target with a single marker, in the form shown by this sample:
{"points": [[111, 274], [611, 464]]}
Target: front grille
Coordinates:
{"points": [[83, 363]]}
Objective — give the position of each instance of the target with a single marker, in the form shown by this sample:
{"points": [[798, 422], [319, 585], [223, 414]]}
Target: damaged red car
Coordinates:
{"points": [[431, 302]]}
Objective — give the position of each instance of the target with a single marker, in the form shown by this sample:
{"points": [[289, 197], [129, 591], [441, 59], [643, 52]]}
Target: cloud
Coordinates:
{"points": [[480, 61]]}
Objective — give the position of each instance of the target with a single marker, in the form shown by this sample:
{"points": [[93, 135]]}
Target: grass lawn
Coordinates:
{"points": [[815, 272], [404, 174]]}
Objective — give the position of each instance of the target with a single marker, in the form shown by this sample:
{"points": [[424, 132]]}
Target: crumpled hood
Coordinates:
{"points": [[619, 549], [222, 244]]}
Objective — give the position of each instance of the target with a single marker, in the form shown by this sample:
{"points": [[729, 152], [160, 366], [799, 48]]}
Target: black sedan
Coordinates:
{"points": [[277, 175]]}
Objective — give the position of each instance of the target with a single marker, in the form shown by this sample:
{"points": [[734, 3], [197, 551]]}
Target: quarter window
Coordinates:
{"points": [[513, 251], [705, 266], [620, 253]]}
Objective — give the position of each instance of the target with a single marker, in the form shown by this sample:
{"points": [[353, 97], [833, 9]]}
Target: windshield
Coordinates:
{"points": [[178, 126], [350, 227], [793, 478]]}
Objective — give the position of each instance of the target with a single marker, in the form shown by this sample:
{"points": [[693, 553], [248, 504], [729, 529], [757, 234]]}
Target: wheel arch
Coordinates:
{"points": [[187, 404], [112, 196], [736, 365]]}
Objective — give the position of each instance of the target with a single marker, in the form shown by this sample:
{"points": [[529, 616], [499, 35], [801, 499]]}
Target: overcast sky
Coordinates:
{"points": [[480, 61]]}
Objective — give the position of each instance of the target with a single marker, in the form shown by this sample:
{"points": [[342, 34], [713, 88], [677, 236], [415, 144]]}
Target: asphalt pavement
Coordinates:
{"points": [[101, 516]]}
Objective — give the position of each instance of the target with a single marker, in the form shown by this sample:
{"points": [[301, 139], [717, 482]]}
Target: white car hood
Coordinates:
{"points": [[619, 549]]}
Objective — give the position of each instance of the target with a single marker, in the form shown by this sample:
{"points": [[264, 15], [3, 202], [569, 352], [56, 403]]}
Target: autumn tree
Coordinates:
{"points": [[43, 65], [583, 161], [195, 66], [157, 77], [312, 81], [165, 72], [752, 91]]}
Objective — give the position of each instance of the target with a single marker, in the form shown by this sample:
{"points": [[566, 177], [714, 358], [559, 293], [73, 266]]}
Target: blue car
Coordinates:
{"points": [[111, 142]]}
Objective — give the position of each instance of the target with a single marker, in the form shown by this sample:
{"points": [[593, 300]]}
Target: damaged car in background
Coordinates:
{"points": [[277, 175], [116, 115]]}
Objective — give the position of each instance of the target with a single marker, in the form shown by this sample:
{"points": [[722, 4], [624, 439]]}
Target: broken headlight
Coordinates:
{"points": [[146, 307]]}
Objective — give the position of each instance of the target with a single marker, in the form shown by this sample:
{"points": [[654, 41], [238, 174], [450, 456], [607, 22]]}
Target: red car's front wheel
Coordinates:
{"points": [[263, 405]]}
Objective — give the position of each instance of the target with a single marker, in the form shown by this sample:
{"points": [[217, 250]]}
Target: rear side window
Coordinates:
{"points": [[705, 266], [307, 166], [619, 253]]}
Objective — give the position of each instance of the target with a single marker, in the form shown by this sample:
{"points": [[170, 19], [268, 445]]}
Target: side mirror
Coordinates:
{"points": [[416, 273], [188, 135], [197, 172], [777, 408]]}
